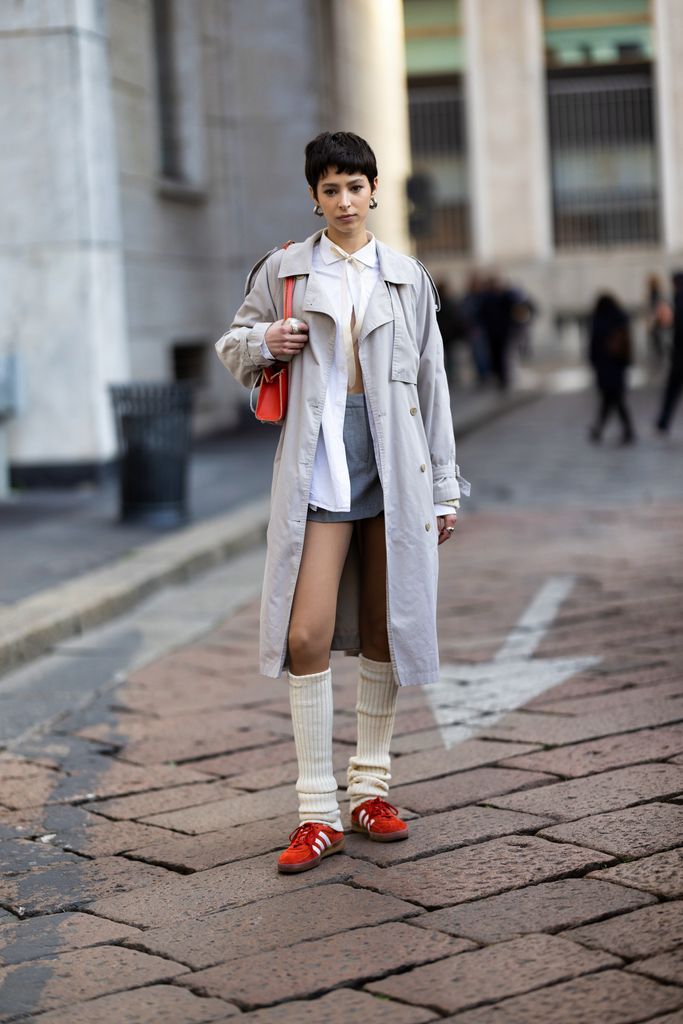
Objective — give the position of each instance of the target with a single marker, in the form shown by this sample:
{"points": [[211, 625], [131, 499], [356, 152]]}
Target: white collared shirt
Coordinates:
{"points": [[330, 482]]}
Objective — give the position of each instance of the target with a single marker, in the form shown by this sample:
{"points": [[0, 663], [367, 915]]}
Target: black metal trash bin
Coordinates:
{"points": [[153, 426]]}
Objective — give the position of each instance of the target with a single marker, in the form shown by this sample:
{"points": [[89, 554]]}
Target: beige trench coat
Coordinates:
{"points": [[401, 356]]}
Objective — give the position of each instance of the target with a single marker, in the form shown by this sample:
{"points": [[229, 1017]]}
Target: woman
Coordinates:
{"points": [[610, 356], [366, 449]]}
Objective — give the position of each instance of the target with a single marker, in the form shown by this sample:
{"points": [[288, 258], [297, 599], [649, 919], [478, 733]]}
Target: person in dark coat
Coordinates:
{"points": [[610, 355], [495, 317], [451, 328], [674, 384], [659, 320], [470, 309]]}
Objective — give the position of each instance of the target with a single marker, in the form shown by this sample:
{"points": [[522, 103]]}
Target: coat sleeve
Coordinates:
{"points": [[434, 398], [240, 348]]}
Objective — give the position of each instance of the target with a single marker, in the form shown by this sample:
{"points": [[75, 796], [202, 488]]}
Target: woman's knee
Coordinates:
{"points": [[308, 646]]}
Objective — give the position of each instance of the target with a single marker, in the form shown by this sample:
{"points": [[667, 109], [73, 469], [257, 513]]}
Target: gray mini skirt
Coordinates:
{"points": [[367, 499]]}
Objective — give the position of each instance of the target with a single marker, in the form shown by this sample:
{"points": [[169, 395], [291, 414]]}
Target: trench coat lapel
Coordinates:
{"points": [[379, 311], [316, 300], [297, 262]]}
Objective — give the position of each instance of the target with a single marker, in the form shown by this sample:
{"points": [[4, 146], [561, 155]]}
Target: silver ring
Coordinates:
{"points": [[450, 529], [293, 325]]}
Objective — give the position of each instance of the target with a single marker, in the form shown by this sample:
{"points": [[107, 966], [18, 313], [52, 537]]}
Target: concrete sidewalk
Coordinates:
{"points": [[543, 878], [68, 565]]}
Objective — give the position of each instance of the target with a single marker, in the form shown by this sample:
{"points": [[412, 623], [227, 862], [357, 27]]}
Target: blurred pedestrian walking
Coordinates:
{"points": [[476, 336], [610, 355], [659, 320], [452, 329], [496, 319], [674, 383], [522, 312], [365, 486]]}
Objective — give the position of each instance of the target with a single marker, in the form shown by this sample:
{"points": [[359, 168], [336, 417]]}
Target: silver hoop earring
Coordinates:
{"points": [[317, 210], [373, 203]]}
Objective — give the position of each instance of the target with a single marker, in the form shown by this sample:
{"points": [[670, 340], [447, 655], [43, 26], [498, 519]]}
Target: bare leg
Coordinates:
{"points": [[311, 626], [374, 641], [310, 680]]}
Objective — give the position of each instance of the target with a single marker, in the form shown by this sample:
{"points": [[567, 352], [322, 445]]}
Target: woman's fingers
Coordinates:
{"points": [[286, 337], [446, 526]]}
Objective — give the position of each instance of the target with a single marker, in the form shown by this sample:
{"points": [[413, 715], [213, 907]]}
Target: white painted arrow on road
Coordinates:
{"points": [[470, 695]]}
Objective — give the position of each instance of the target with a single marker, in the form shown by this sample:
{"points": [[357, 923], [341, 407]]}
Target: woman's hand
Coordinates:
{"points": [[445, 525], [283, 342]]}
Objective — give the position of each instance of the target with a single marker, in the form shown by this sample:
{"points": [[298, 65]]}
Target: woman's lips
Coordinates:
{"points": [[347, 216]]}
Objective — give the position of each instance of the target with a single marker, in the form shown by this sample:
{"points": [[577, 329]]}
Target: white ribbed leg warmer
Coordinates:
{"points": [[310, 698], [368, 772]]}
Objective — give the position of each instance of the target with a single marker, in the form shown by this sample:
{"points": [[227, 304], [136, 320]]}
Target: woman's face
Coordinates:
{"points": [[344, 200]]}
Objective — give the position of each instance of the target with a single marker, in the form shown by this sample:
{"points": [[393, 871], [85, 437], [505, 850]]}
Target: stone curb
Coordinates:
{"points": [[29, 628], [32, 626]]}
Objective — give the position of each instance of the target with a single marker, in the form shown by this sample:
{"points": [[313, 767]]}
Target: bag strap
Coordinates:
{"points": [[257, 266], [289, 290], [289, 297], [286, 313]]}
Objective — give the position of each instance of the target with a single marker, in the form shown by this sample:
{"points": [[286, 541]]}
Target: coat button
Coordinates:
{"points": [[428, 527], [423, 468], [413, 410]]}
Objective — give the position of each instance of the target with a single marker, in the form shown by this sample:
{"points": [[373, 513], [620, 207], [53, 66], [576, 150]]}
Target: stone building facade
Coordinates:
{"points": [[563, 167], [152, 151]]}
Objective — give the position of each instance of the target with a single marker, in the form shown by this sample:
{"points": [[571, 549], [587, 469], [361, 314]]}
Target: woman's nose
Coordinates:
{"points": [[343, 199]]}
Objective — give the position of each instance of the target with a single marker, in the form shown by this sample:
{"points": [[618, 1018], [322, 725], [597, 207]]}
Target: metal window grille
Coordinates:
{"points": [[438, 145], [167, 100], [603, 156]]}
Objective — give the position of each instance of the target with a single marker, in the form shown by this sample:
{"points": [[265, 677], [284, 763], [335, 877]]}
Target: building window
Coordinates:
{"points": [[601, 123], [189, 362], [180, 106], [437, 142], [438, 190], [167, 99]]}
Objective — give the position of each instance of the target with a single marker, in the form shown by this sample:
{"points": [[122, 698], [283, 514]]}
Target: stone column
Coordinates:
{"points": [[62, 309], [506, 125], [372, 101], [668, 30]]}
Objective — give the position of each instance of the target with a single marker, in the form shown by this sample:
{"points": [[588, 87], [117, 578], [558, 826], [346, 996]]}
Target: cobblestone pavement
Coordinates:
{"points": [[543, 879]]}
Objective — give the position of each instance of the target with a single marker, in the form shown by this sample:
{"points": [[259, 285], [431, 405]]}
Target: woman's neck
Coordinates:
{"points": [[349, 243]]}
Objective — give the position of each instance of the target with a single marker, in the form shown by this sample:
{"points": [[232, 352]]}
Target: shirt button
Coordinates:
{"points": [[413, 410], [423, 468], [428, 527]]}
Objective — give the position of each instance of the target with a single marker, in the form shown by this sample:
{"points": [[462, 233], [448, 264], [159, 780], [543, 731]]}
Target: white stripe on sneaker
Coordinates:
{"points": [[326, 839], [318, 846]]}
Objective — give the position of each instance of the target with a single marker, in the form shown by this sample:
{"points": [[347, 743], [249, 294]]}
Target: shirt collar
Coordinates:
{"points": [[367, 255], [394, 267]]}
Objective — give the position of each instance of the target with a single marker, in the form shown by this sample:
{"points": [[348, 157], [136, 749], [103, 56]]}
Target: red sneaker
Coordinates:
{"points": [[309, 843], [379, 820]]}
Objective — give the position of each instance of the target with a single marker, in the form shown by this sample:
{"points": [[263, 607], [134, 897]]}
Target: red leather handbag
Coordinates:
{"points": [[271, 404]]}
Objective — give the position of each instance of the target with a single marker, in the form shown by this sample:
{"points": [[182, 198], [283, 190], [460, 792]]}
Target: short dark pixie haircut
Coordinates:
{"points": [[345, 152]]}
